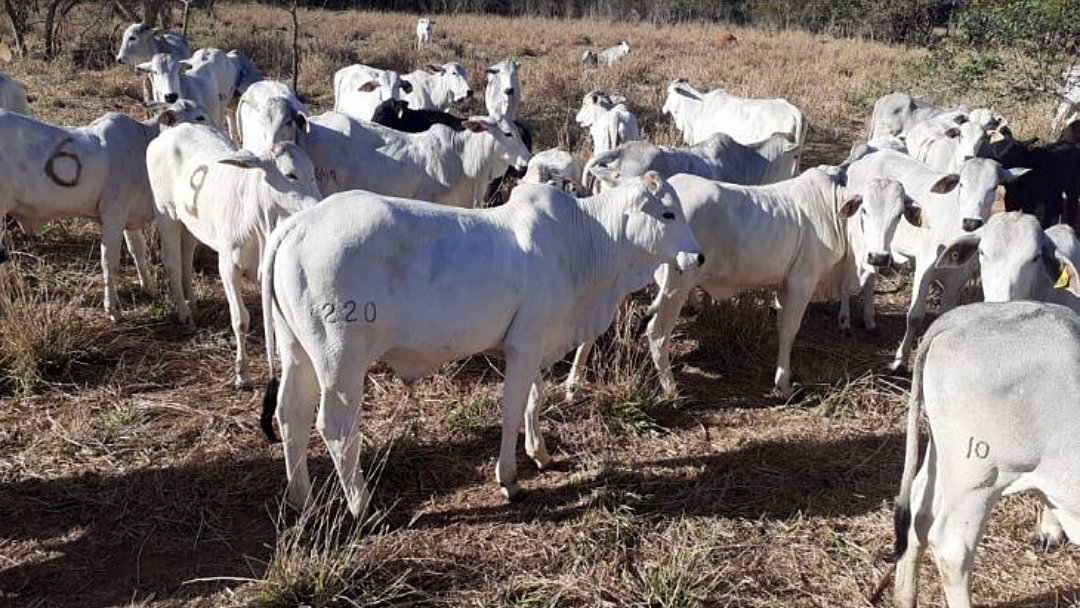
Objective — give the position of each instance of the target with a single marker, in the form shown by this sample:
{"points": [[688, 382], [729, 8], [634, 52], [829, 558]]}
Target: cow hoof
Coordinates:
{"points": [[115, 316], [873, 332], [545, 463], [512, 492], [243, 383], [898, 367], [847, 333]]}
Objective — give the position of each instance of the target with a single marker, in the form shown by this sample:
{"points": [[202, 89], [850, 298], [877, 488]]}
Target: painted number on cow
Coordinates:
{"points": [[977, 449], [349, 312]]}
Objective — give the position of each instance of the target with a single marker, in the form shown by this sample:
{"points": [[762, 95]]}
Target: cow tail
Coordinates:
{"points": [[902, 515], [269, 307]]}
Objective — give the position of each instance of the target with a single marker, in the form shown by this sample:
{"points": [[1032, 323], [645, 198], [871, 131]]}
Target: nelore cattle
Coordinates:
{"points": [[417, 285], [141, 42], [977, 450], [1052, 185], [396, 114], [359, 89], [97, 171], [269, 112]]}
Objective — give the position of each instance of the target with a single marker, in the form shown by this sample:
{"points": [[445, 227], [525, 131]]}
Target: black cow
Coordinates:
{"points": [[396, 114], [1053, 182]]}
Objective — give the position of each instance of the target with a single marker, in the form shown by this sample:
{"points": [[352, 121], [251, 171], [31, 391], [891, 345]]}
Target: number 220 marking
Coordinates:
{"points": [[347, 313]]}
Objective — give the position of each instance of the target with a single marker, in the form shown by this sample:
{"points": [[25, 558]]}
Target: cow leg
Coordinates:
{"points": [[188, 244], [111, 232], [342, 396], [534, 439], [297, 398], [668, 304], [578, 368], [955, 535], [920, 286], [522, 371], [136, 244], [907, 565], [794, 296], [238, 314], [1051, 532], [171, 233]]}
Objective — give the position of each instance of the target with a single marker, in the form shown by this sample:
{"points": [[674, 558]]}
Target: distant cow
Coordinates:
{"points": [[359, 89], [1052, 184], [724, 39], [606, 57], [361, 278], [698, 116], [999, 383], [396, 114], [141, 42], [424, 28], [13, 96], [1068, 108]]}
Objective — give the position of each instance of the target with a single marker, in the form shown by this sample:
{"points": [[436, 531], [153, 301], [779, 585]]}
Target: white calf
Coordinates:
{"points": [[230, 200]]}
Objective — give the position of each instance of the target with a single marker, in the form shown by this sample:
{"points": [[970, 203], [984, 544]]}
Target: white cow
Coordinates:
{"points": [[97, 171], [416, 285], [1068, 108], [894, 114], [438, 165], [269, 112], [606, 57], [557, 168], [359, 89], [210, 79], [424, 28], [698, 116], [794, 235], [949, 205], [230, 200], [13, 96], [718, 158], [944, 146], [437, 87], [610, 125], [991, 434], [141, 42], [502, 94]]}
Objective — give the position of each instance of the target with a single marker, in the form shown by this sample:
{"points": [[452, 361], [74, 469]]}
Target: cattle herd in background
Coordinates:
{"points": [[363, 226]]}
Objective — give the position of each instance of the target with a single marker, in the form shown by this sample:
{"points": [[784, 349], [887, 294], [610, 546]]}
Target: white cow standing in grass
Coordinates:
{"points": [[97, 171], [359, 89], [502, 94], [424, 29], [999, 383], [437, 87], [610, 124], [13, 96], [211, 78], [439, 165], [269, 112], [141, 42], [207, 190], [607, 57], [416, 285]]}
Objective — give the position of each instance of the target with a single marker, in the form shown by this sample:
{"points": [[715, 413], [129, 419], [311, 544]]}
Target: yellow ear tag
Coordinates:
{"points": [[1063, 280]]}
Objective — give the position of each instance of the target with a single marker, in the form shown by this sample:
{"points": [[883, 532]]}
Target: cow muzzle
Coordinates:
{"points": [[689, 261], [879, 260], [171, 97], [971, 224]]}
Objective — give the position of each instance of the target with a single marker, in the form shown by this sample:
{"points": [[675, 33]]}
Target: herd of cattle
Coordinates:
{"points": [[364, 227]]}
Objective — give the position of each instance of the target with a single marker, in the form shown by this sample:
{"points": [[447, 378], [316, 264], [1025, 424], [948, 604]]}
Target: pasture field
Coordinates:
{"points": [[132, 473]]}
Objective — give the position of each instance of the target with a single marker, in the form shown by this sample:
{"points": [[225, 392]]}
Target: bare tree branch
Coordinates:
{"points": [[295, 48]]}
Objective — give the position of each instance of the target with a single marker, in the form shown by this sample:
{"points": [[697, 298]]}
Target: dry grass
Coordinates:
{"points": [[131, 472]]}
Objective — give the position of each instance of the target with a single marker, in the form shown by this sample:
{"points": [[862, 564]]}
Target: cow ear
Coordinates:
{"points": [[959, 252], [912, 212], [145, 68], [946, 184], [368, 87], [243, 159], [406, 86], [1008, 176], [474, 126], [608, 176], [851, 206]]}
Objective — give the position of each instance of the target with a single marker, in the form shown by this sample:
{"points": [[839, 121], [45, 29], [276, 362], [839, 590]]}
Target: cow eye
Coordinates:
{"points": [[132, 39], [508, 134], [668, 215], [200, 119], [292, 176]]}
